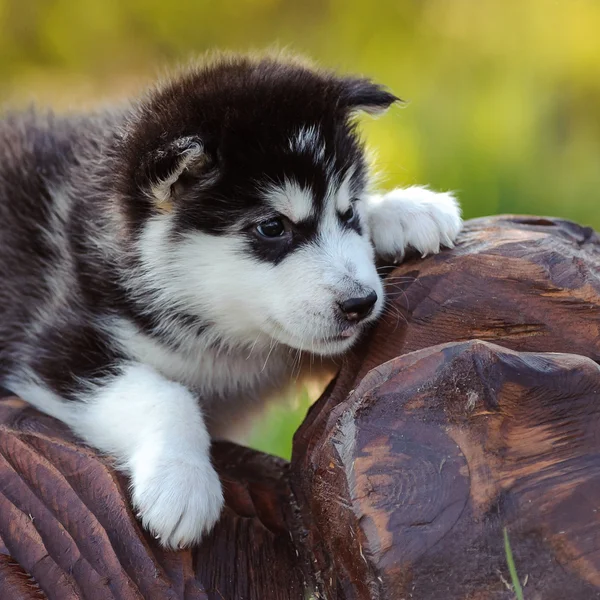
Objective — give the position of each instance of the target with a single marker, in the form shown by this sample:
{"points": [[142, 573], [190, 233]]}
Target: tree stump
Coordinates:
{"points": [[473, 406]]}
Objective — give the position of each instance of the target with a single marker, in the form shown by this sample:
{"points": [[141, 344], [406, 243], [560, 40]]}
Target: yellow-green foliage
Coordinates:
{"points": [[503, 95]]}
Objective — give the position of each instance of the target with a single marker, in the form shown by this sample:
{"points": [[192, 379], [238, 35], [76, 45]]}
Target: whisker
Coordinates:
{"points": [[397, 294], [273, 344], [399, 281], [399, 318], [297, 364], [252, 347]]}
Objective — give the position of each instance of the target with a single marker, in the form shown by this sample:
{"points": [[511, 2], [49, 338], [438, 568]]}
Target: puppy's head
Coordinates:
{"points": [[244, 188]]}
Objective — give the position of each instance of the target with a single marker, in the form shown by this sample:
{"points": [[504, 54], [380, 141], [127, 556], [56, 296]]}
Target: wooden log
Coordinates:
{"points": [[66, 522], [410, 483], [404, 473]]}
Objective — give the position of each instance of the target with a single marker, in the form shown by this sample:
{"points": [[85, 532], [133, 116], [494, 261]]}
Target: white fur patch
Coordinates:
{"points": [[413, 217], [343, 196], [308, 140], [208, 368], [290, 200], [155, 430], [27, 386], [161, 190]]}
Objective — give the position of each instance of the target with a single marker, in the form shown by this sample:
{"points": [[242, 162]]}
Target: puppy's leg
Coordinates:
{"points": [[155, 430], [412, 217]]}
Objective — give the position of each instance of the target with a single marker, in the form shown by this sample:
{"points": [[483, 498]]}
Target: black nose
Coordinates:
{"points": [[356, 309]]}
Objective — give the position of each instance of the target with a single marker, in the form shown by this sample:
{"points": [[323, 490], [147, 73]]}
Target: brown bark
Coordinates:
{"points": [[453, 420]]}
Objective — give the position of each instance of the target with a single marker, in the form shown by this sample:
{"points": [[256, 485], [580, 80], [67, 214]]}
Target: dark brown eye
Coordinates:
{"points": [[349, 215], [273, 228]]}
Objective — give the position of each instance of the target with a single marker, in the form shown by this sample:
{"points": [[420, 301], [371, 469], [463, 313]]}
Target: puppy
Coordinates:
{"points": [[165, 266]]}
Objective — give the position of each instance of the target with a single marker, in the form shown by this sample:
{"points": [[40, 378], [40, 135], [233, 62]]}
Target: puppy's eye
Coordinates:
{"points": [[349, 215], [273, 228]]}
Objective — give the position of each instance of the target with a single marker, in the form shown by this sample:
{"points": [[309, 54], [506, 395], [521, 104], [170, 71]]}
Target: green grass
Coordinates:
{"points": [[511, 567], [273, 433]]}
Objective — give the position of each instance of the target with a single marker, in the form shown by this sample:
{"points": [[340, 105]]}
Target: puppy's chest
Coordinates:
{"points": [[216, 375]]}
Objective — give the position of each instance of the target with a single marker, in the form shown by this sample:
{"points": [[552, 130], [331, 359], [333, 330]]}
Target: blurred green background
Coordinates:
{"points": [[503, 96]]}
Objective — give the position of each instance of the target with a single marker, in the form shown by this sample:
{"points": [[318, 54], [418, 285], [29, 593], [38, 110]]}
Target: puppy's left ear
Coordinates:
{"points": [[165, 172], [362, 95]]}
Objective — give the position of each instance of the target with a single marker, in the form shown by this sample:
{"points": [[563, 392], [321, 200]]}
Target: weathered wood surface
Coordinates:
{"points": [[404, 473]]}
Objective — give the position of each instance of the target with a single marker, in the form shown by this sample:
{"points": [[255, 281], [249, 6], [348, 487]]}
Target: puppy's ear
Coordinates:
{"points": [[362, 95], [167, 171]]}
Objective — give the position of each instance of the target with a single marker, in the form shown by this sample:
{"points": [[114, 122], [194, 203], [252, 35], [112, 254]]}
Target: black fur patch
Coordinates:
{"points": [[74, 356], [244, 113], [275, 250]]}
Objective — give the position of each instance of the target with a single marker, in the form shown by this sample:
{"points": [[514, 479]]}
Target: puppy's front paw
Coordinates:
{"points": [[177, 501], [413, 217]]}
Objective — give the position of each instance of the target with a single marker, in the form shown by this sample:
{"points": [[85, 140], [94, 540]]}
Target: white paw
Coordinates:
{"points": [[414, 217], [177, 501]]}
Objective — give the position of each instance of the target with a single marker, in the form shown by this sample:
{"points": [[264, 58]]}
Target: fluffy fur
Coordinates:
{"points": [[167, 266]]}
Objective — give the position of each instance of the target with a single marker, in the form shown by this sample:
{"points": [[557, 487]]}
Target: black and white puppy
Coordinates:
{"points": [[164, 266]]}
